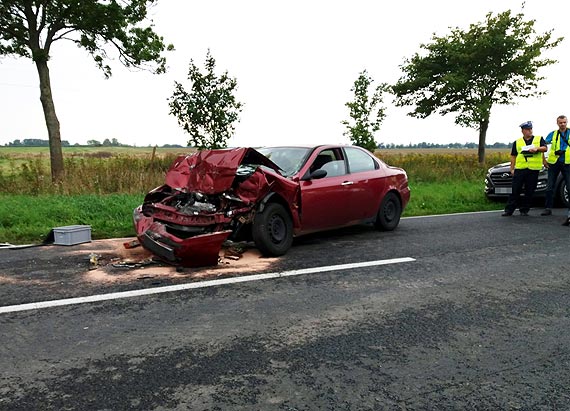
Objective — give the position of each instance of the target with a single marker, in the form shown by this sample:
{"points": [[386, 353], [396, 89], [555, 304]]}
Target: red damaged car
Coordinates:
{"points": [[268, 195]]}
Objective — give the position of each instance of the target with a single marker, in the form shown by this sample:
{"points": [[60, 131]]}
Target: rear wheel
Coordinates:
{"points": [[272, 230], [389, 213]]}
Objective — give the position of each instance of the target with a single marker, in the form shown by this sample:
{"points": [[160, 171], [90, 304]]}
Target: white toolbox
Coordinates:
{"points": [[72, 234]]}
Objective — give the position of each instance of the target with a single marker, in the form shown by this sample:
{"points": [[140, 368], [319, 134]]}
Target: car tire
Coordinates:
{"points": [[389, 213], [272, 230], [563, 194]]}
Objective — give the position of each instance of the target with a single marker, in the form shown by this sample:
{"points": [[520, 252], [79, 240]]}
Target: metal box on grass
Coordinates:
{"points": [[72, 234]]}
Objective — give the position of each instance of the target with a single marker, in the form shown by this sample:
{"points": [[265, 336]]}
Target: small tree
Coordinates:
{"points": [[208, 112], [469, 71], [366, 112], [29, 29]]}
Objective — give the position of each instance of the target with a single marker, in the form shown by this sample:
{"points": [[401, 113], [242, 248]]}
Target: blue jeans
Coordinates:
{"points": [[553, 171]]}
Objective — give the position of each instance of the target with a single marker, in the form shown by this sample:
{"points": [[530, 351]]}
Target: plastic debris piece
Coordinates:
{"points": [[131, 244], [93, 261], [135, 264]]}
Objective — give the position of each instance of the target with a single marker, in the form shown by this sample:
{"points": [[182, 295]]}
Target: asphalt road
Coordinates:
{"points": [[479, 320]]}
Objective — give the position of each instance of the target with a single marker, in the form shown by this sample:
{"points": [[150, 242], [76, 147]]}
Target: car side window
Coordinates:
{"points": [[359, 160], [324, 157], [334, 168], [331, 161]]}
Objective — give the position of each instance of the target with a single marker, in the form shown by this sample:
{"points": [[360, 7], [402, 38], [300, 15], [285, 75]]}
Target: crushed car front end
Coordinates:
{"points": [[188, 228], [208, 197]]}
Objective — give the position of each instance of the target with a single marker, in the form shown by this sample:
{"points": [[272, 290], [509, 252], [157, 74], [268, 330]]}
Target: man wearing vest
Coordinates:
{"points": [[526, 162], [558, 161]]}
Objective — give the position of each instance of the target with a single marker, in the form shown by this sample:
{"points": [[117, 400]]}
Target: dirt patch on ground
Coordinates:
{"points": [[120, 264], [50, 272], [110, 261]]}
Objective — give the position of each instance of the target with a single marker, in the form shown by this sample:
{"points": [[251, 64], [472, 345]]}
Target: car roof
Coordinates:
{"points": [[308, 146]]}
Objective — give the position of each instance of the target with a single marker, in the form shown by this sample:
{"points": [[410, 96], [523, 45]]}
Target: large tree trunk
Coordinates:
{"points": [[483, 126], [52, 123]]}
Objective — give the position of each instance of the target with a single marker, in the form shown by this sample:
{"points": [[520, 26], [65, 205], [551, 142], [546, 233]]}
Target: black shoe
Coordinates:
{"points": [[524, 213], [547, 211], [506, 214], [566, 222]]}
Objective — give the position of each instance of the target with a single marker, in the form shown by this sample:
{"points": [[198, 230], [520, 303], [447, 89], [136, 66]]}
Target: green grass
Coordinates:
{"points": [[28, 219], [90, 150], [14, 159], [101, 187], [443, 198]]}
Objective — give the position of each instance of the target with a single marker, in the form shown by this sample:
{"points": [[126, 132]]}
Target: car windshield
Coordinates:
{"points": [[289, 159]]}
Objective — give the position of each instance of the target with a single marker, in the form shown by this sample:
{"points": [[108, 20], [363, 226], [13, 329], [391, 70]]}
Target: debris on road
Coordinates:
{"points": [[93, 261], [134, 264], [131, 244]]}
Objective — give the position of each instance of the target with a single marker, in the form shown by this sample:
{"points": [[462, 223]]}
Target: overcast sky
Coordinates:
{"points": [[295, 62]]}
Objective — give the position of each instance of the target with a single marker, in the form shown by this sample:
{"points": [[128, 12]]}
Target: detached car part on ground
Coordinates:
{"points": [[498, 182], [267, 196]]}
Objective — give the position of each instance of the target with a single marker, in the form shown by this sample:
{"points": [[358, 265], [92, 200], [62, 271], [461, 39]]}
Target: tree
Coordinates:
{"points": [[208, 112], [366, 112], [29, 28], [469, 71]]}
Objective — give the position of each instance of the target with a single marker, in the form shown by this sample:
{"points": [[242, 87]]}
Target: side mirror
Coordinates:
{"points": [[315, 175], [320, 173]]}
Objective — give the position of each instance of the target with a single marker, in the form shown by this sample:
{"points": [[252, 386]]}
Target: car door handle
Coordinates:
{"points": [[347, 183]]}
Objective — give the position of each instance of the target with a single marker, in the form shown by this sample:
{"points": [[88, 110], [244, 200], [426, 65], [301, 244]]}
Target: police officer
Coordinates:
{"points": [[526, 162], [558, 161]]}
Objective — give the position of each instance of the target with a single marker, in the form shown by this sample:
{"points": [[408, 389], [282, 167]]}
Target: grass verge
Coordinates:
{"points": [[101, 188], [444, 198], [28, 219]]}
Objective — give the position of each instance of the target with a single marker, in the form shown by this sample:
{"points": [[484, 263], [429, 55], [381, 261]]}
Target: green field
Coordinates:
{"points": [[103, 185]]}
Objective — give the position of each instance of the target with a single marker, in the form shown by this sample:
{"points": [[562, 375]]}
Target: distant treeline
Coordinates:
{"points": [[446, 145], [36, 142]]}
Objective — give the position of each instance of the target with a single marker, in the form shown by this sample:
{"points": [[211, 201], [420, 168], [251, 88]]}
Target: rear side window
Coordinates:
{"points": [[359, 160]]}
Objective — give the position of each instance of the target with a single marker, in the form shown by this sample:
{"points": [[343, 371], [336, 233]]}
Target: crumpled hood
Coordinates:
{"points": [[212, 171]]}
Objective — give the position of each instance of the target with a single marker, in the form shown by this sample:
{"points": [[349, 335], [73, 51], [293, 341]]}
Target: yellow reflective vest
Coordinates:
{"points": [[555, 146], [532, 161]]}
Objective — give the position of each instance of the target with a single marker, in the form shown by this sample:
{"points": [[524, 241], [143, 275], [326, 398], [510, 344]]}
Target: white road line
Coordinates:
{"points": [[452, 214], [188, 286]]}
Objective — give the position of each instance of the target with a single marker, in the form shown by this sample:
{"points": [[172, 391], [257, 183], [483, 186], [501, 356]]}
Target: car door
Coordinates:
{"points": [[367, 184], [325, 201]]}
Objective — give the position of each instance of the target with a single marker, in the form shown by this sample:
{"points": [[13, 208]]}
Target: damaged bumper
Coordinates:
{"points": [[196, 251]]}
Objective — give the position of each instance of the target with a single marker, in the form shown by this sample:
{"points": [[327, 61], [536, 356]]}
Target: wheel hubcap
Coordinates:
{"points": [[390, 211], [277, 230]]}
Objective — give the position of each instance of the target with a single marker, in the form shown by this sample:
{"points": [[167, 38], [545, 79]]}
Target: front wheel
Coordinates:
{"points": [[272, 230], [389, 213]]}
